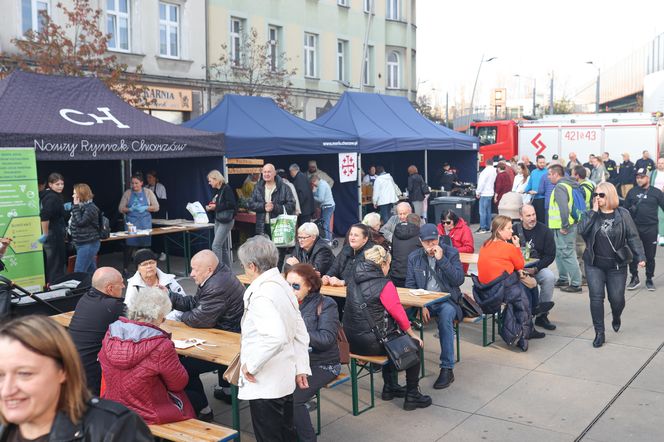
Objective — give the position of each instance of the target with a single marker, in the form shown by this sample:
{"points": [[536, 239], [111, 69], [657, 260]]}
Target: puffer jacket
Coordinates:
{"points": [[623, 232], [344, 264], [516, 324], [406, 239], [320, 256], [415, 185], [142, 371], [103, 421], [217, 303], [84, 223], [322, 329], [282, 198]]}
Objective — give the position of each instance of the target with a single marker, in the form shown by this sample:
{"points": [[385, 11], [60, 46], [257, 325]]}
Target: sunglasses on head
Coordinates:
{"points": [[296, 286], [599, 194]]}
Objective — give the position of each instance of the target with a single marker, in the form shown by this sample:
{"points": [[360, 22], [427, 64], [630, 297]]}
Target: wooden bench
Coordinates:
{"points": [[193, 429], [359, 364]]}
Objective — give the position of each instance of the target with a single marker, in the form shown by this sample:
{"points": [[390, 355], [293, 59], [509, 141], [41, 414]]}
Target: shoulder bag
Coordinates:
{"points": [[342, 340]]}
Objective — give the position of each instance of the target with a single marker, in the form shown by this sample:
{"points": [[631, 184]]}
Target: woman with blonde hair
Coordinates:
{"points": [[612, 242], [224, 207], [84, 228], [371, 292], [42, 390]]}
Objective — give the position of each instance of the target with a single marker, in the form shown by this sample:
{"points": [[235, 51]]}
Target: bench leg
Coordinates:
{"points": [[353, 382], [318, 413], [485, 334], [458, 341], [235, 410], [355, 370], [422, 369]]}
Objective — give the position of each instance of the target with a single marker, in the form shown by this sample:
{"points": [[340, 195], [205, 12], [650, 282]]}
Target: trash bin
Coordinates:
{"points": [[463, 207]]}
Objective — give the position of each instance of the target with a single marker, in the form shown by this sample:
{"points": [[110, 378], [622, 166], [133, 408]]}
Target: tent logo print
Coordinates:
{"points": [[348, 165], [66, 114], [538, 144]]}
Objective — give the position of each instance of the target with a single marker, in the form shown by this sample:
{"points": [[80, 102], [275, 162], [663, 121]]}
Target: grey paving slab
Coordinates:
{"points": [[651, 378], [389, 422], [571, 314], [553, 402], [580, 360], [482, 428], [637, 415]]}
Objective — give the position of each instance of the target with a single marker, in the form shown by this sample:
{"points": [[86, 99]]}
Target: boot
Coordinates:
{"points": [[543, 321], [599, 340], [445, 378], [392, 390], [615, 323], [415, 399]]}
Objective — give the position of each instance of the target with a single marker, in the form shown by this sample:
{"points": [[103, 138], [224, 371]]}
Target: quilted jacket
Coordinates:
{"points": [[142, 372]]}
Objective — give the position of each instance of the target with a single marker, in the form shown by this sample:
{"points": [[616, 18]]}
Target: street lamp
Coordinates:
{"points": [[596, 87], [534, 90], [472, 97]]}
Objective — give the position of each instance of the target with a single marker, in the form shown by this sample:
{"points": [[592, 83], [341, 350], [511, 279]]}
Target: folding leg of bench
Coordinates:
{"points": [[485, 334], [359, 364], [340, 379]]}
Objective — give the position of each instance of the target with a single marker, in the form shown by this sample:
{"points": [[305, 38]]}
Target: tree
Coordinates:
{"points": [[257, 68], [562, 106], [79, 48], [423, 106]]}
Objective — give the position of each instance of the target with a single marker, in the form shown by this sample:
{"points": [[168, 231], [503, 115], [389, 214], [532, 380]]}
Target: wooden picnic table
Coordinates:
{"points": [[469, 258]]}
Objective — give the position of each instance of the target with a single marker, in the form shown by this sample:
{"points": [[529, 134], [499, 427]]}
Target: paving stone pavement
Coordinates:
{"points": [[561, 389]]}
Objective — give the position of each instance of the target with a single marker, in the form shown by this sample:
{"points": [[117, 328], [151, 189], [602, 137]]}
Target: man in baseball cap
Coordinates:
{"points": [[436, 267]]}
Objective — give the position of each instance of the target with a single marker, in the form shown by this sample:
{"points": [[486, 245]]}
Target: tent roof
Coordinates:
{"points": [[79, 118], [256, 126], [386, 123]]}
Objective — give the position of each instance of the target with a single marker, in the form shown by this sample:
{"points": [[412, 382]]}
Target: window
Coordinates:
{"points": [[393, 10], [342, 49], [393, 70], [342, 2], [367, 80], [274, 33], [310, 65], [367, 5], [117, 24], [169, 30], [486, 134], [31, 14], [237, 28]]}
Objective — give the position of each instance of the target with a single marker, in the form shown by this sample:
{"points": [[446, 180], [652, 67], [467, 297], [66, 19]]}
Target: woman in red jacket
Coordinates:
{"points": [[140, 366], [458, 231]]}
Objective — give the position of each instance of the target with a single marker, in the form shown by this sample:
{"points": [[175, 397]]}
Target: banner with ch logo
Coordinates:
{"points": [[347, 167]]}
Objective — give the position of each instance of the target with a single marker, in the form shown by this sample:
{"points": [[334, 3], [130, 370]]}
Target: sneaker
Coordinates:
{"points": [[221, 395], [536, 334], [660, 241], [572, 289], [481, 230], [206, 417], [543, 321], [634, 283], [561, 283], [650, 285], [584, 281]]}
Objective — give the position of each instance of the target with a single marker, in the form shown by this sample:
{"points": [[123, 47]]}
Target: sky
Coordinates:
{"points": [[529, 38]]}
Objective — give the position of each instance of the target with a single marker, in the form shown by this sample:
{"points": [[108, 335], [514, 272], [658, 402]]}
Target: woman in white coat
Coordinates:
{"points": [[275, 344]]}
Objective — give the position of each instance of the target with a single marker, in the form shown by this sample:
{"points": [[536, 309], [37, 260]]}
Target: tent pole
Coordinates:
{"points": [[359, 186], [225, 167], [426, 166]]}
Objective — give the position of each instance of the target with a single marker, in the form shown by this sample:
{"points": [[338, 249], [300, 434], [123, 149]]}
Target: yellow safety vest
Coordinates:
{"points": [[554, 211]]}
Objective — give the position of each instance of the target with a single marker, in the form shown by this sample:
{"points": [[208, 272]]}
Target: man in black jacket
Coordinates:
{"points": [[218, 303], [304, 194], [645, 162], [539, 243], [643, 203], [270, 199], [406, 239], [626, 175], [95, 311], [611, 167]]}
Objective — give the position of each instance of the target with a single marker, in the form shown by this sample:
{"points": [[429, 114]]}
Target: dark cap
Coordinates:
{"points": [[144, 255], [428, 231], [641, 171], [555, 157]]}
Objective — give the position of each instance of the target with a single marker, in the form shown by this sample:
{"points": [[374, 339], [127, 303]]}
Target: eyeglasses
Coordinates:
{"points": [[302, 238], [296, 286], [447, 222], [600, 195]]}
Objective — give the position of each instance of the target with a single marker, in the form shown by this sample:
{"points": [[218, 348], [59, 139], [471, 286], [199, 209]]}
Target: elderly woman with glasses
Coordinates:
{"points": [[311, 249], [612, 242], [275, 344], [148, 275]]}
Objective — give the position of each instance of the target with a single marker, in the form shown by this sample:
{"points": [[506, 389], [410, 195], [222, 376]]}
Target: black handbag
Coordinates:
{"points": [[225, 216], [624, 254], [402, 350]]}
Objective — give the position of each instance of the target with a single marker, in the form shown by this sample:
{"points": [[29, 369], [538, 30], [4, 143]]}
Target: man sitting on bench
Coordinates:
{"points": [[436, 267]]}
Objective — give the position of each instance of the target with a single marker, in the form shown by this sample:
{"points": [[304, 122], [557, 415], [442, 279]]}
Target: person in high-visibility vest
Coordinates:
{"points": [[564, 229], [580, 174]]}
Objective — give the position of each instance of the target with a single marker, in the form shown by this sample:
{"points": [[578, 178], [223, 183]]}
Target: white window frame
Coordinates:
{"points": [[273, 40], [393, 71], [367, 5], [310, 55], [170, 24], [368, 68], [343, 3], [34, 12], [342, 58], [393, 10], [116, 32], [236, 40]]}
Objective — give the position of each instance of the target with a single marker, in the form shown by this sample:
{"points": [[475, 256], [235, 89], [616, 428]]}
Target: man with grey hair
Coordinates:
{"points": [[95, 311], [217, 303], [274, 357], [311, 249], [269, 199], [403, 210], [314, 170], [304, 194]]}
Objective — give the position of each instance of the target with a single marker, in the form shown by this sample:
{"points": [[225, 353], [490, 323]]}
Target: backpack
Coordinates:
{"points": [[104, 226], [579, 203]]}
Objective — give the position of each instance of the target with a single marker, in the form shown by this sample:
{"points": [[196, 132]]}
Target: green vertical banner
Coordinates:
{"points": [[19, 217]]}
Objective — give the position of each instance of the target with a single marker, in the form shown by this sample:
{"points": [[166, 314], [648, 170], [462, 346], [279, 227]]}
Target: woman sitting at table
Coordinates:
{"points": [[140, 366], [311, 249], [458, 231], [43, 390], [322, 320], [148, 275], [344, 263]]}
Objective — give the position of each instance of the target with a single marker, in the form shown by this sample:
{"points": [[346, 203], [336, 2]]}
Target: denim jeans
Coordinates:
{"points": [[485, 212], [221, 243], [85, 257], [385, 212], [418, 208], [545, 280], [614, 281], [568, 266], [446, 314], [326, 214]]}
